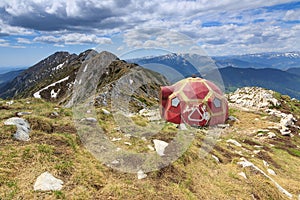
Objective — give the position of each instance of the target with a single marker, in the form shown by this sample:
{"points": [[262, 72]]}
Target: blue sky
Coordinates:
{"points": [[30, 30]]}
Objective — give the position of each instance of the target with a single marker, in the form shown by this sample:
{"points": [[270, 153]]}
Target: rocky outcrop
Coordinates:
{"points": [[287, 121], [253, 98]]}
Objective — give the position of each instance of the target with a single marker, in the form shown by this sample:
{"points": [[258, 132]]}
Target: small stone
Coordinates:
{"points": [[47, 182], [115, 162], [236, 143], [54, 114], [90, 119], [150, 147], [256, 151], [242, 174], [258, 146], [266, 164], [141, 175], [19, 114], [116, 139], [128, 143], [260, 135], [106, 112], [160, 146], [223, 125], [216, 158], [271, 135], [272, 172], [232, 118], [182, 127], [9, 103]]}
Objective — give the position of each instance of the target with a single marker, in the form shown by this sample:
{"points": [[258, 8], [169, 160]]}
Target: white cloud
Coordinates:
{"points": [[23, 41], [73, 39], [242, 25], [292, 15]]}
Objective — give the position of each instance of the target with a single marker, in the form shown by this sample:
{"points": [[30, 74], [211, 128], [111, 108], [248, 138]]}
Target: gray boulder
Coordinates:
{"points": [[23, 128], [47, 182]]}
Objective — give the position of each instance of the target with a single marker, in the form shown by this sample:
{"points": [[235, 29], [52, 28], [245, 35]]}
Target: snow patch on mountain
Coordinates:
{"points": [[53, 94]]}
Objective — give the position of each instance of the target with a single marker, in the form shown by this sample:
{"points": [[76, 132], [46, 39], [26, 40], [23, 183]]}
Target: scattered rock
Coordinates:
{"points": [[256, 151], [223, 125], [285, 132], [89, 119], [232, 118], [47, 182], [115, 162], [245, 163], [160, 146], [271, 135], [287, 121], [20, 114], [150, 147], [128, 143], [141, 175], [242, 174], [9, 103], [236, 143], [266, 164], [23, 128], [116, 139], [260, 135], [216, 158], [182, 127], [253, 98], [106, 112], [54, 114], [271, 172]]}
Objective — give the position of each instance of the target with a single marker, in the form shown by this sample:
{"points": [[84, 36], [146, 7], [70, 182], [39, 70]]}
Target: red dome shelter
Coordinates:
{"points": [[194, 101]]}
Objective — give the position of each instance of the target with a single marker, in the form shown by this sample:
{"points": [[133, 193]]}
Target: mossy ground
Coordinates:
{"points": [[56, 147]]}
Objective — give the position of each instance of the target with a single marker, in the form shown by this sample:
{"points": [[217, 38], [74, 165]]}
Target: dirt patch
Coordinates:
{"points": [[227, 156], [265, 156], [65, 129]]}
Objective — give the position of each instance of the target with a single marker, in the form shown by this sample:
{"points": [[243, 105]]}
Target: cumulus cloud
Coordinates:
{"points": [[229, 26], [73, 39]]}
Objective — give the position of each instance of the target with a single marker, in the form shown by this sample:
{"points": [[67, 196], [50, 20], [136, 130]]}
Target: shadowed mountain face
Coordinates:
{"points": [[8, 76]]}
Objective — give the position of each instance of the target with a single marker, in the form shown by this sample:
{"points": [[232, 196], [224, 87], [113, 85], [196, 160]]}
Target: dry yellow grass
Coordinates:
{"points": [[55, 147]]}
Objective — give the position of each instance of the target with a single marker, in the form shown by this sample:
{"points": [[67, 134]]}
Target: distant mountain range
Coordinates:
{"points": [[273, 79], [8, 76], [281, 61], [276, 71]]}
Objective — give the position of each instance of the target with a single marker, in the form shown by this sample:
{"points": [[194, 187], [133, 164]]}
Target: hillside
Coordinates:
{"points": [[252, 137], [8, 76], [272, 79], [295, 71]]}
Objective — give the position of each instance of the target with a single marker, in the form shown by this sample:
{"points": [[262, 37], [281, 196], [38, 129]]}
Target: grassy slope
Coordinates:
{"points": [[55, 147]]}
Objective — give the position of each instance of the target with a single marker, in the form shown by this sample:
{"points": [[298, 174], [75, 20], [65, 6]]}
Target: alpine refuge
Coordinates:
{"points": [[194, 101]]}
